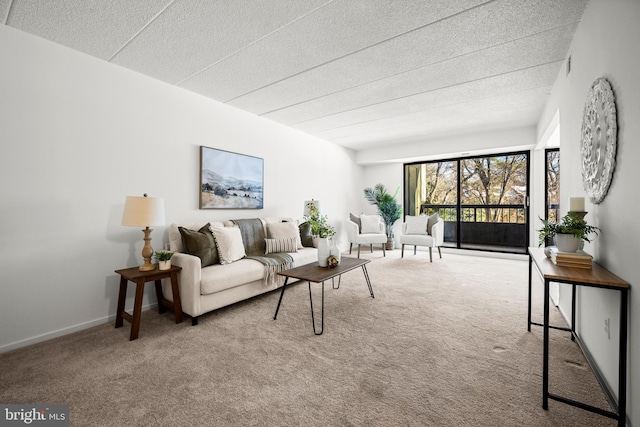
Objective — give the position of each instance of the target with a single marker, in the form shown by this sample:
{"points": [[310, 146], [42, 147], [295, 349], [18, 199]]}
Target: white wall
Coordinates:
{"points": [[606, 45], [78, 136]]}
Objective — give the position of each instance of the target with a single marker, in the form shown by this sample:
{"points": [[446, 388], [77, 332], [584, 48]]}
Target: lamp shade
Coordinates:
{"points": [[143, 211]]}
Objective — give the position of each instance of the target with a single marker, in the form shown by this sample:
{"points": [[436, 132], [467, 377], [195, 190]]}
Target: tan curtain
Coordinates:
{"points": [[418, 193]]}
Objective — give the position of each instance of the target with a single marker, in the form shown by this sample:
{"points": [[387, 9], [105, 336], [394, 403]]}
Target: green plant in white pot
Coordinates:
{"points": [[568, 232], [164, 259], [321, 232]]}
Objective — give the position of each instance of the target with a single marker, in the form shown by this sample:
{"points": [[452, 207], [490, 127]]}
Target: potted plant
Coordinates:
{"points": [[319, 223], [388, 208], [568, 232], [164, 259], [321, 232]]}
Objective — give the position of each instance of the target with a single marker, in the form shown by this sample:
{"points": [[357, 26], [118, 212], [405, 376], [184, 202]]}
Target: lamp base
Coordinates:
{"points": [[147, 267], [147, 251]]}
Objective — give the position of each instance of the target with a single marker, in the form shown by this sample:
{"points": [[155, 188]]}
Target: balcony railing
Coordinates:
{"points": [[483, 226], [510, 214]]}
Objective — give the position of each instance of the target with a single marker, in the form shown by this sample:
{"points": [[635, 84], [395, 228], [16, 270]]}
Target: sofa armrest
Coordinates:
{"points": [[189, 280], [437, 232]]}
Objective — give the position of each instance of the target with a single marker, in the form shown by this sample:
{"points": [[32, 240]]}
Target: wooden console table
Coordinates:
{"points": [[140, 278], [597, 277]]}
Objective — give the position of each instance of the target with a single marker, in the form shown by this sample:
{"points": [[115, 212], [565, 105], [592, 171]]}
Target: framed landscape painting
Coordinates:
{"points": [[230, 180]]}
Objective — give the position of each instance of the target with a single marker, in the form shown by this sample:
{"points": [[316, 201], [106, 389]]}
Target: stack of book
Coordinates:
{"points": [[579, 259]]}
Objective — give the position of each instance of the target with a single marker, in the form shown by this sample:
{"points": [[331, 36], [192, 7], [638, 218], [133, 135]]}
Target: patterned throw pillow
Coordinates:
{"points": [[229, 243], [281, 245], [201, 244]]}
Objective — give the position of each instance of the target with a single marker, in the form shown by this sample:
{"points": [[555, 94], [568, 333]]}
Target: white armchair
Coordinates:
{"points": [[367, 233], [423, 231]]}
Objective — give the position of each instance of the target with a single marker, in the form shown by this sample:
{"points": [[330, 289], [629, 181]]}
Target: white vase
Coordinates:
{"points": [[335, 250], [164, 265], [567, 242], [323, 251]]}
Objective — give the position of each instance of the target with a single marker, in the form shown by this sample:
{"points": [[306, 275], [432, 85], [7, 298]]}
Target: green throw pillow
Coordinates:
{"points": [[201, 244], [305, 234]]}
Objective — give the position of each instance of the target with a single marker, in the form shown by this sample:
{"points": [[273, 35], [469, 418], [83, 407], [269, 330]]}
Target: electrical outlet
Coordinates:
{"points": [[607, 330]]}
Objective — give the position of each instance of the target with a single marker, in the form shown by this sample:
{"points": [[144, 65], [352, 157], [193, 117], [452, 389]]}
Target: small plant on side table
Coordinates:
{"points": [[164, 259]]}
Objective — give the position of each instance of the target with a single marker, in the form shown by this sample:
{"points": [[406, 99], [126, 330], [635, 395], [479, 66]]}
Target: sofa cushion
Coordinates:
{"points": [[200, 243], [304, 256], [219, 277], [229, 243], [216, 278], [417, 239], [289, 244], [417, 224]]}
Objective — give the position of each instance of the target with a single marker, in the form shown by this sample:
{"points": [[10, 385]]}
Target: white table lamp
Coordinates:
{"points": [[144, 212]]}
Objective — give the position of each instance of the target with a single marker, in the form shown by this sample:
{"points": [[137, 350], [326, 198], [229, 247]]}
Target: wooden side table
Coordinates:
{"points": [[140, 278]]}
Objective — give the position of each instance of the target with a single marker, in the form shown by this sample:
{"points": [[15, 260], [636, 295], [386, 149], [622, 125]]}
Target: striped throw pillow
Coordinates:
{"points": [[281, 245]]}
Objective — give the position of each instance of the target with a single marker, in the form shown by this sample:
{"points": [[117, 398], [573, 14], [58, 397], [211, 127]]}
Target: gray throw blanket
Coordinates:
{"points": [[252, 231]]}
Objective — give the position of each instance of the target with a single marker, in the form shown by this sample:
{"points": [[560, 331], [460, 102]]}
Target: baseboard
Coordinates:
{"points": [[487, 254], [64, 331], [604, 385]]}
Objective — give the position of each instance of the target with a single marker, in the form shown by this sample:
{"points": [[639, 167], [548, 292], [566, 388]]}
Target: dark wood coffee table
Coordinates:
{"points": [[314, 273]]}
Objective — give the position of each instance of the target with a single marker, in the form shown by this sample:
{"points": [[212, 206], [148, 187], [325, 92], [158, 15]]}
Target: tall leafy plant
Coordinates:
{"points": [[388, 207]]}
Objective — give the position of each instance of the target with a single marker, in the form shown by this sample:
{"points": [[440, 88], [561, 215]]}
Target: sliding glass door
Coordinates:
{"points": [[483, 200]]}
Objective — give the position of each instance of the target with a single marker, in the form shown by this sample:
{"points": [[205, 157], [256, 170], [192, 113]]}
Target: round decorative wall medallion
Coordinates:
{"points": [[598, 140]]}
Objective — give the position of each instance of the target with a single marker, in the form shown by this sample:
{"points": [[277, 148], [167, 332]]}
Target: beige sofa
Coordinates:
{"points": [[206, 289]]}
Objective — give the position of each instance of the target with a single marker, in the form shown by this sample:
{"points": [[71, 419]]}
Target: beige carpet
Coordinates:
{"points": [[442, 344]]}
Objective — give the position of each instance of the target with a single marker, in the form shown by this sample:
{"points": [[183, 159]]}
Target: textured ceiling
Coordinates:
{"points": [[360, 73]]}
